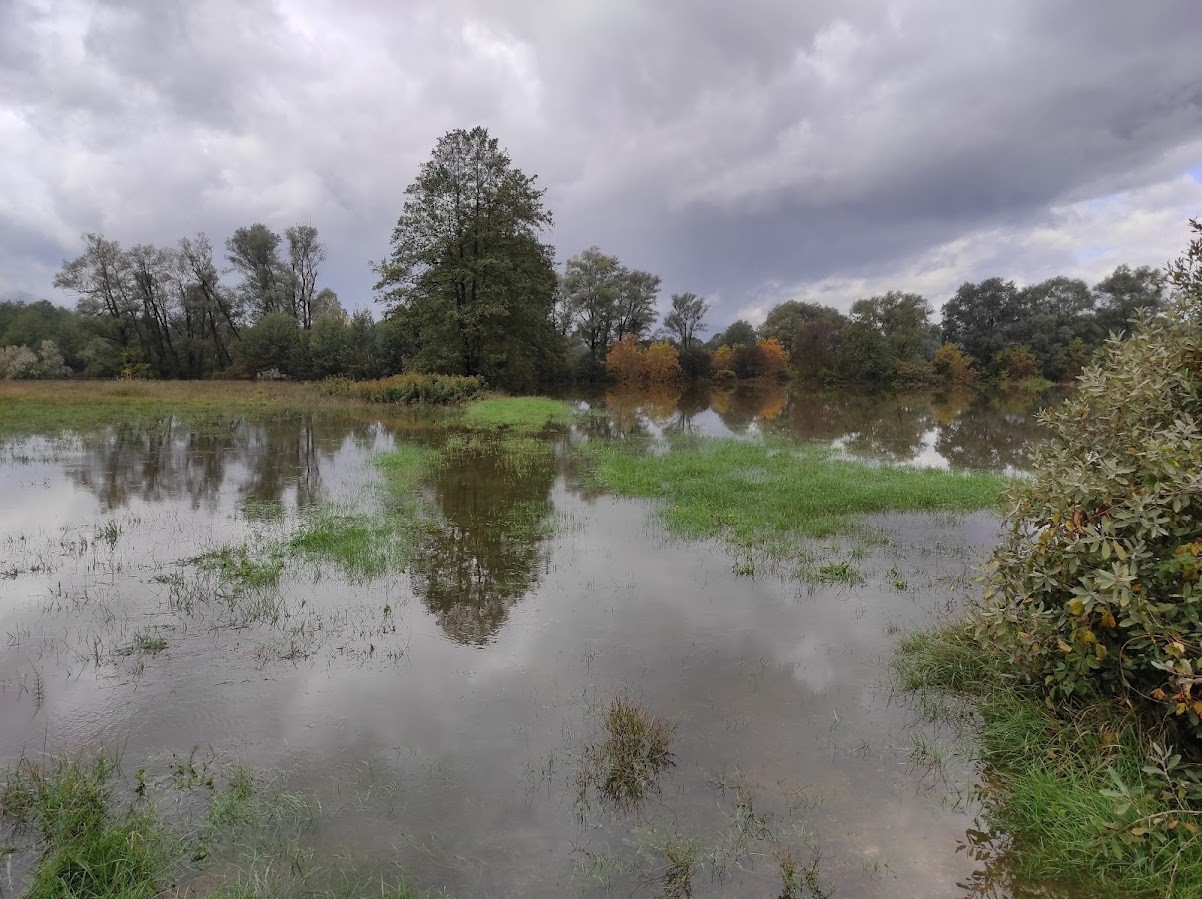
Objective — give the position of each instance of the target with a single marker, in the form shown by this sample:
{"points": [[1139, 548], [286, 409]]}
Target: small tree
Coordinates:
{"points": [[953, 366], [724, 358], [274, 343], [50, 361], [775, 357], [625, 361], [1016, 364], [748, 362], [739, 333], [17, 362], [662, 363]]}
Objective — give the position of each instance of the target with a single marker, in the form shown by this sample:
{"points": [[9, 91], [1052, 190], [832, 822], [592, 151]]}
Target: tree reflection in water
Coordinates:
{"points": [[158, 459], [488, 547]]}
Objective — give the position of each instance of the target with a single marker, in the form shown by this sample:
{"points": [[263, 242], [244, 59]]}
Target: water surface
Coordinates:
{"points": [[439, 714]]}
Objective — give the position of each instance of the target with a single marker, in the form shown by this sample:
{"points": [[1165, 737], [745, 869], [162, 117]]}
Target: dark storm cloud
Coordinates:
{"points": [[743, 150]]}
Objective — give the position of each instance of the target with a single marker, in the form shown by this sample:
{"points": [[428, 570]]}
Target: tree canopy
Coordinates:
{"points": [[469, 272]]}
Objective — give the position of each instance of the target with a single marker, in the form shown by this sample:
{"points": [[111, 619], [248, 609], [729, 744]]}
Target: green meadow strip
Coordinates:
{"points": [[771, 493]]}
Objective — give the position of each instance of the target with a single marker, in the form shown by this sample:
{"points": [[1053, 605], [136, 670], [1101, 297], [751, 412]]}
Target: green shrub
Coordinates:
{"points": [[407, 389], [914, 374], [725, 378], [1095, 587]]}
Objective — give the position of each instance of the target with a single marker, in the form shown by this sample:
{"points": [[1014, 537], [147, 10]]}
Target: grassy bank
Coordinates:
{"points": [[48, 407], [1088, 796], [769, 494]]}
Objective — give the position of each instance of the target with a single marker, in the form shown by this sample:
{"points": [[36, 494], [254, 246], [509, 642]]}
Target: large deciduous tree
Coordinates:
{"points": [[254, 252], [983, 318], [271, 283], [687, 318], [469, 271], [591, 286], [903, 320], [305, 256], [1059, 319], [1122, 294], [637, 293], [783, 321]]}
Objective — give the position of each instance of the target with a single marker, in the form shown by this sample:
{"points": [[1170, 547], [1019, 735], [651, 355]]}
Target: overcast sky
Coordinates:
{"points": [[751, 152]]}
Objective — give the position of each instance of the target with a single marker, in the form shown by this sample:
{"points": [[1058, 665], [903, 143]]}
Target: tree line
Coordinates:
{"points": [[991, 330], [470, 287]]}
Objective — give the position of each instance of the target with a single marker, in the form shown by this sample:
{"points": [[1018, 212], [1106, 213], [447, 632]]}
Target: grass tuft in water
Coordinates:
{"points": [[626, 766], [148, 643], [236, 565], [841, 573]]}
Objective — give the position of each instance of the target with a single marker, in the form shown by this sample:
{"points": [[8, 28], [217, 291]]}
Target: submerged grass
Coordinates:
{"points": [[57, 408], [97, 835], [1087, 796], [237, 565], [768, 493], [360, 545]]}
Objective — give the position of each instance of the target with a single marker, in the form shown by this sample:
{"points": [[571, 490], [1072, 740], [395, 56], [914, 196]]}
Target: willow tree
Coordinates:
{"points": [[469, 272]]}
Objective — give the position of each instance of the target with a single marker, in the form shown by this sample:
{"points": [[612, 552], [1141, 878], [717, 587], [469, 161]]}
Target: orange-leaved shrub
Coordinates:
{"points": [[629, 363]]}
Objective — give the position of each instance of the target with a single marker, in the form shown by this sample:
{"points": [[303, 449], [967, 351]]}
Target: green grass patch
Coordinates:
{"points": [[362, 548], [366, 546], [527, 414], [404, 467], [1085, 795], [90, 844], [767, 494]]}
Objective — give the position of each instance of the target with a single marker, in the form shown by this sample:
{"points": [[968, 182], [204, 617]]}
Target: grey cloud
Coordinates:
{"points": [[731, 147]]}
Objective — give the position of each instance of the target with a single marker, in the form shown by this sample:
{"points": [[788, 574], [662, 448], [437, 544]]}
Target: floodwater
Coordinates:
{"points": [[436, 718]]}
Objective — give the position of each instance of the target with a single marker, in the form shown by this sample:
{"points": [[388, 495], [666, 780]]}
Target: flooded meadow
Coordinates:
{"points": [[360, 654]]}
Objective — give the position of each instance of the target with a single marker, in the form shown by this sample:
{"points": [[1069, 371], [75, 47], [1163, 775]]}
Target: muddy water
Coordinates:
{"points": [[436, 718]]}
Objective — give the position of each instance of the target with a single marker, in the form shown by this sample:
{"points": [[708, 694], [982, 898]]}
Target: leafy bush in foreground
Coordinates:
{"points": [[434, 390], [1095, 587]]}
